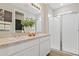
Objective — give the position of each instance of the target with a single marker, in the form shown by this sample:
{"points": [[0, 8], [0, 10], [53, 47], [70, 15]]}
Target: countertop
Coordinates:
{"points": [[17, 39]]}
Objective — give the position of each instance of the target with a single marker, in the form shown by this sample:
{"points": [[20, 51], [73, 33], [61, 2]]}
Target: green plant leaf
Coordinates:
{"points": [[28, 22]]}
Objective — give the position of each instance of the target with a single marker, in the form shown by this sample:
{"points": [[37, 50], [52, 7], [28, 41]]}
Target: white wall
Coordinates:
{"points": [[51, 25], [51, 30]]}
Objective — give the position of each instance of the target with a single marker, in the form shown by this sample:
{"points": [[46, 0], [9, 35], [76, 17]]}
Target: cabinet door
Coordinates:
{"points": [[56, 33], [26, 52], [32, 51], [70, 33], [36, 50], [44, 48]]}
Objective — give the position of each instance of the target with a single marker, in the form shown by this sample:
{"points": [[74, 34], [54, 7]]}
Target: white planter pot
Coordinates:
{"points": [[27, 29]]}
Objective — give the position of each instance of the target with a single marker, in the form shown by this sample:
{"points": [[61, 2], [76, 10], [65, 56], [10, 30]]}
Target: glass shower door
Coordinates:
{"points": [[70, 33]]}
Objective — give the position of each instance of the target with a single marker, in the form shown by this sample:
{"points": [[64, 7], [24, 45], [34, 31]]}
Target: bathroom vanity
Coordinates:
{"points": [[38, 45]]}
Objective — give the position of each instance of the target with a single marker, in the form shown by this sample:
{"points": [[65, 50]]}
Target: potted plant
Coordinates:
{"points": [[27, 24]]}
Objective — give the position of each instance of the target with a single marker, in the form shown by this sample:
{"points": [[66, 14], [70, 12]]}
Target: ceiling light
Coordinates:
{"points": [[61, 4], [49, 15]]}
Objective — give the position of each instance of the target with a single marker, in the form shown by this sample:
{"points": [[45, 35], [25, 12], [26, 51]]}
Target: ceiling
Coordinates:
{"points": [[54, 6]]}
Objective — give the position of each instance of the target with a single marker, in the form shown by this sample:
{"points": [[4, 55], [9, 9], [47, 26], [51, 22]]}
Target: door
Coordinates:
{"points": [[70, 33], [56, 33]]}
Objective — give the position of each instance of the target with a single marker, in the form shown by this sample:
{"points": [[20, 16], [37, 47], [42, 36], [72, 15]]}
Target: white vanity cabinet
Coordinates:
{"points": [[31, 48], [44, 46], [20, 48], [34, 47]]}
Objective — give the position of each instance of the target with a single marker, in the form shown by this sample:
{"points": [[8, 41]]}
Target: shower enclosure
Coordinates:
{"points": [[66, 32]]}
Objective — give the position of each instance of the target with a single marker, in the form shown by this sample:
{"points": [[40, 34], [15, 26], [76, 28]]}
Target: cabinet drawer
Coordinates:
{"points": [[10, 50]]}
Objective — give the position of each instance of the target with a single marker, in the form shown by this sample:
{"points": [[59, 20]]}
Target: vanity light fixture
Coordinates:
{"points": [[36, 5]]}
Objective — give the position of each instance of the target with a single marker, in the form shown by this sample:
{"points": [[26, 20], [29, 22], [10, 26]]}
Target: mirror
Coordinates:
{"points": [[11, 15]]}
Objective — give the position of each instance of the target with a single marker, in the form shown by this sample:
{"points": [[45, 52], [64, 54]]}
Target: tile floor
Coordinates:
{"points": [[59, 53]]}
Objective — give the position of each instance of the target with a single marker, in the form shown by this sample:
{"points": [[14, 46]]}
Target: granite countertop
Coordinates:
{"points": [[11, 40]]}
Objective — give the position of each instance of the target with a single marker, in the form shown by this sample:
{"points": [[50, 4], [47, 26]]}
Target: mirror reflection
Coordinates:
{"points": [[12, 15]]}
